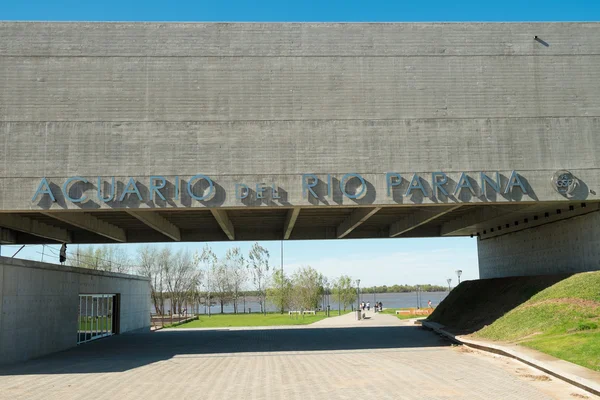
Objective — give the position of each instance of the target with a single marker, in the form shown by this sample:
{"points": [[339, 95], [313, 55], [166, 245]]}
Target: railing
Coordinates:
{"points": [[96, 317]]}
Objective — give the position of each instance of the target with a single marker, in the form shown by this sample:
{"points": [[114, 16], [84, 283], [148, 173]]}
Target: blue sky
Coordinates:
{"points": [[308, 10], [373, 261]]}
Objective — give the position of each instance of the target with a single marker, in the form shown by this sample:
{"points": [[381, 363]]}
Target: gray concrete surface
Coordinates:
{"points": [[39, 305], [579, 376], [566, 246], [322, 99], [264, 104], [390, 362], [370, 319]]}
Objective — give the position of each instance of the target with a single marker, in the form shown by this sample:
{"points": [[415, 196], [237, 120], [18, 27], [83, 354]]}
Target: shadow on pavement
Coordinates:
{"points": [[125, 352]]}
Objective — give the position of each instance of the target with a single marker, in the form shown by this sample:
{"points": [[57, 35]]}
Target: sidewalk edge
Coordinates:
{"points": [[582, 383]]}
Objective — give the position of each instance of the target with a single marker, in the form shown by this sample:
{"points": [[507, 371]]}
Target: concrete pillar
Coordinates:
{"points": [[566, 246]]}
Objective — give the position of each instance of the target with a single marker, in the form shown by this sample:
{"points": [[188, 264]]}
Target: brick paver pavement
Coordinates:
{"points": [[375, 362]]}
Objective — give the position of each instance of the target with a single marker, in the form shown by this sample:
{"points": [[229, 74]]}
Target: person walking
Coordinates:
{"points": [[368, 306]]}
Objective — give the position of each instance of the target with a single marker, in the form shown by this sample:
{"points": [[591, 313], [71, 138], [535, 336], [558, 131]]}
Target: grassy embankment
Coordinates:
{"points": [[392, 311], [559, 316], [255, 319]]}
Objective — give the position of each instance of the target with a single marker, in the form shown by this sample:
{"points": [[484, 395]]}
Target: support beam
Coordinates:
{"points": [[90, 223], [7, 236], [553, 216], [290, 221], [417, 219], [36, 228], [158, 223], [354, 220], [480, 215], [224, 222]]}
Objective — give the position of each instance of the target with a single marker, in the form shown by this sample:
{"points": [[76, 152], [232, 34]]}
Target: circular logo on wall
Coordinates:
{"points": [[564, 183]]}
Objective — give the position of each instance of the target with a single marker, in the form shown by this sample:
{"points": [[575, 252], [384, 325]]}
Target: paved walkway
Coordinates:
{"points": [[372, 319], [583, 377], [362, 361]]}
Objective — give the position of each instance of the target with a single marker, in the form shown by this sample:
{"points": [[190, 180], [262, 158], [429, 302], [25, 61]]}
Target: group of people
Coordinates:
{"points": [[377, 307]]}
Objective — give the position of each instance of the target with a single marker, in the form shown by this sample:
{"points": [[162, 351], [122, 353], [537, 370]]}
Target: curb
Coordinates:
{"points": [[576, 380]]}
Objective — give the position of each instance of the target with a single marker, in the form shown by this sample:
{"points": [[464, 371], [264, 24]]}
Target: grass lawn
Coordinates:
{"points": [[255, 319], [99, 324], [562, 320], [392, 311], [581, 348]]}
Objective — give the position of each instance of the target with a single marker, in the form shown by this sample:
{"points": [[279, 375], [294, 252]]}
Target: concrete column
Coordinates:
{"points": [[566, 246]]}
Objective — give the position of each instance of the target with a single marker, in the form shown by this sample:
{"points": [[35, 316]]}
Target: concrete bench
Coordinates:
{"points": [[407, 312], [309, 312], [293, 312]]}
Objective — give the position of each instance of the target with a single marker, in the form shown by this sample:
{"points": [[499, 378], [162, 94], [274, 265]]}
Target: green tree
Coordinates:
{"points": [[307, 288], [280, 292], [344, 291]]}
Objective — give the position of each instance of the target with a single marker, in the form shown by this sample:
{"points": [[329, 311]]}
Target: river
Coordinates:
{"points": [[388, 300]]}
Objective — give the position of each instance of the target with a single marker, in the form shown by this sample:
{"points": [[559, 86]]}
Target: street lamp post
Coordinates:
{"points": [[458, 273], [449, 280]]}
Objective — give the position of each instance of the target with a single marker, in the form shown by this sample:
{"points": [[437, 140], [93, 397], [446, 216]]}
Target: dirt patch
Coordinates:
{"points": [[464, 349], [539, 378], [579, 396]]}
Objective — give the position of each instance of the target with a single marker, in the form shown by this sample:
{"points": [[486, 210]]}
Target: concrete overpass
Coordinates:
{"points": [[154, 132]]}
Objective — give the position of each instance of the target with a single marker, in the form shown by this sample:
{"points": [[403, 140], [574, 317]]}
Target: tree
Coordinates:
{"points": [[235, 266], [221, 282], [307, 287], [210, 261], [181, 276], [149, 267], [259, 269], [344, 291], [105, 258], [280, 292]]}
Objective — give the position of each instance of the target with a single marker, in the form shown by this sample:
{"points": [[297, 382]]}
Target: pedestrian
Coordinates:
{"points": [[380, 307], [368, 306], [63, 253], [429, 304]]}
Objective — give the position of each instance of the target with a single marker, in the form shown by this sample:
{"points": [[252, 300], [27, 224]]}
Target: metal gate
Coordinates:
{"points": [[96, 317]]}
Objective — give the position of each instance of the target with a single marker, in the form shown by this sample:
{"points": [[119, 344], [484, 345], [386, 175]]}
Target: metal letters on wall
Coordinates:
{"points": [[354, 186]]}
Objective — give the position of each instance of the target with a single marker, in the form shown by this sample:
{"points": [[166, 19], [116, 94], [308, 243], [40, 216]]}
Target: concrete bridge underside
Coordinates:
{"points": [[134, 226], [110, 133]]}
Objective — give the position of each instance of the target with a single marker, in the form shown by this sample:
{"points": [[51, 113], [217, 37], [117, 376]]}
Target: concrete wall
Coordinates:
{"points": [[567, 246], [265, 103], [39, 305]]}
